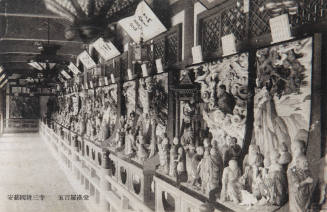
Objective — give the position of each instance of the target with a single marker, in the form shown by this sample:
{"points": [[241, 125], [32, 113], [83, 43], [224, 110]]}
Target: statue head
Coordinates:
{"points": [[206, 142], [213, 143], [233, 141], [221, 90], [213, 151], [298, 148], [266, 162], [253, 149], [274, 156], [175, 141], [200, 150], [302, 162]]}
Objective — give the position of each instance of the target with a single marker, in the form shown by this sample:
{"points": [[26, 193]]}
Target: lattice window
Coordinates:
{"points": [[259, 20], [127, 6], [159, 49], [310, 12], [234, 21], [211, 34], [172, 48]]}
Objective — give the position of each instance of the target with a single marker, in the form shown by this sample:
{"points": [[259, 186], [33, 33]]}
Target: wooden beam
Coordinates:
{"points": [[30, 15], [39, 40]]}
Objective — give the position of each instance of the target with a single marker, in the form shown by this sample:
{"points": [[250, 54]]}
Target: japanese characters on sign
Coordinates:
{"points": [[144, 23], [87, 61], [228, 44], [73, 68], [280, 28], [107, 50], [65, 74]]}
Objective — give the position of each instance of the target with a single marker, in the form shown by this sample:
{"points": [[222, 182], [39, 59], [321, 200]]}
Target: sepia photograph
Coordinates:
{"points": [[163, 106]]}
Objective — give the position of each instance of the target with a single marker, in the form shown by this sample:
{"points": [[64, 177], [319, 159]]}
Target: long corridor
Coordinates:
{"points": [[27, 167]]}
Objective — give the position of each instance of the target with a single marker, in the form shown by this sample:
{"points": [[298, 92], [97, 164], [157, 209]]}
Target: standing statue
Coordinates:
{"points": [[276, 182], [300, 185], [163, 148], [142, 153], [230, 183], [251, 160], [233, 152], [181, 171], [193, 174], [205, 170], [187, 129], [153, 139], [217, 169], [129, 142], [173, 158]]}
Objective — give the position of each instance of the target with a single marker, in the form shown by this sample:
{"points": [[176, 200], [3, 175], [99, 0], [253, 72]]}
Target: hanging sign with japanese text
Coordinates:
{"points": [[280, 28], [87, 61], [73, 68], [65, 74], [107, 50], [144, 23], [228, 44]]}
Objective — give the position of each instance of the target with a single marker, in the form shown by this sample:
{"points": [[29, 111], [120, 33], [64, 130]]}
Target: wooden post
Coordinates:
{"points": [[314, 142]]}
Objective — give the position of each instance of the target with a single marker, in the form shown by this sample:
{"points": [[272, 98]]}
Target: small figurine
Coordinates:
{"points": [[230, 183]]}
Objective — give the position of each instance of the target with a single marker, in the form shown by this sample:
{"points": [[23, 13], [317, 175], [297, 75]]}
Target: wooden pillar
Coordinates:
{"points": [[171, 106], [188, 31], [250, 104], [314, 142], [324, 96]]}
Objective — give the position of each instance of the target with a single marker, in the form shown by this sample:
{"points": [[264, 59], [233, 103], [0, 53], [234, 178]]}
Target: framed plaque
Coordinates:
{"points": [[211, 3]]}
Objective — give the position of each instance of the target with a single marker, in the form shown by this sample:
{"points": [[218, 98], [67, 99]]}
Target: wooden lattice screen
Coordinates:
{"points": [[253, 26]]}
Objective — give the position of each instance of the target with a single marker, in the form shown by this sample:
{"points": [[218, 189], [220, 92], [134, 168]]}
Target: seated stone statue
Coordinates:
{"points": [[231, 188]]}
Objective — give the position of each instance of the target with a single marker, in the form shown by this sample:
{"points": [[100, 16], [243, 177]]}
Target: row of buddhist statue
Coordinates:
{"points": [[271, 171]]}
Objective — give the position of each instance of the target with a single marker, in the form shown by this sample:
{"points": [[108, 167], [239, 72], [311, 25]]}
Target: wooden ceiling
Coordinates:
{"points": [[23, 26]]}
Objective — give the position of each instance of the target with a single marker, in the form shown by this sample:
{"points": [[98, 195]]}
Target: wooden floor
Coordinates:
{"points": [[28, 168]]}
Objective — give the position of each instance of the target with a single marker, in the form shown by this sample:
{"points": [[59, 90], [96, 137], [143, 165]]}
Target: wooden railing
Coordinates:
{"points": [[21, 125]]}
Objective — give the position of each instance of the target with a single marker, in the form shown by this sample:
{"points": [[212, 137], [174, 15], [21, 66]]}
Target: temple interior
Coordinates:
{"points": [[163, 105]]}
